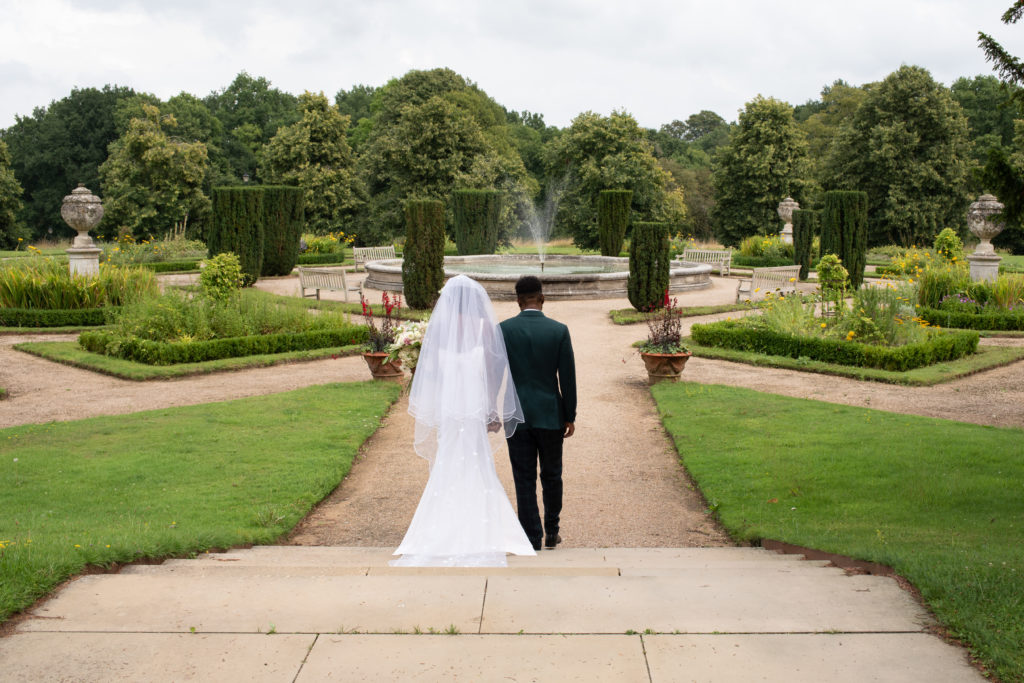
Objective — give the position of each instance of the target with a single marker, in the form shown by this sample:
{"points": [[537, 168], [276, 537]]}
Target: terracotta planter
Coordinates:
{"points": [[375, 360], [664, 367]]}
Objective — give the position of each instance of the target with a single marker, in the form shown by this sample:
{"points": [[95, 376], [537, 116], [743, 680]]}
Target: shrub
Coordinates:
{"points": [[613, 207], [832, 279], [221, 277], [805, 225], [284, 218], [948, 245], [768, 247], [844, 231], [316, 259], [939, 280], [126, 251], [331, 243], [986, 319], [76, 317], [423, 255], [236, 225], [170, 353], [940, 346], [648, 281], [477, 220]]}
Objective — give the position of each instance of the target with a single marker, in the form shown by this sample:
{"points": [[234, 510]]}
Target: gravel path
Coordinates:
{"points": [[623, 485]]}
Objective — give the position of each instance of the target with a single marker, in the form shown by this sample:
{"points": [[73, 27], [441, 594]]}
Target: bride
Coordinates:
{"points": [[462, 390]]}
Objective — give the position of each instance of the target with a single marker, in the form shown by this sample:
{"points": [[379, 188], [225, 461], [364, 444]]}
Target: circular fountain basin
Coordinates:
{"points": [[564, 277]]}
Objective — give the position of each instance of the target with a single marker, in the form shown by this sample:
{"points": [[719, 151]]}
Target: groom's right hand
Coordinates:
{"points": [[569, 430]]}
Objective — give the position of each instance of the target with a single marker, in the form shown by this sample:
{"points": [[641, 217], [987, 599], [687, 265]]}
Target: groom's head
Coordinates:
{"points": [[529, 292]]}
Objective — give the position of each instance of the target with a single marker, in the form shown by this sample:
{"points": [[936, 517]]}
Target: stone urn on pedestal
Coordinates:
{"points": [[786, 208], [984, 261], [82, 210]]}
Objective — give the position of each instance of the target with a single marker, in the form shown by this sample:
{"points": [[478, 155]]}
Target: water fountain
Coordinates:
{"points": [[564, 277]]}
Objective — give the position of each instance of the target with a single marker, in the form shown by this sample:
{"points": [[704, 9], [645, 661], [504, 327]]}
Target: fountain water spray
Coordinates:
{"points": [[541, 221]]}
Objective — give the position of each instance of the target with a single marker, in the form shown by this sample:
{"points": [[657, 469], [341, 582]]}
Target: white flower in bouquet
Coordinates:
{"points": [[408, 340]]}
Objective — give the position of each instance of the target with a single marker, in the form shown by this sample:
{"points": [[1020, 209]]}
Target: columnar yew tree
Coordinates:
{"points": [[283, 222], [906, 146], [844, 231], [764, 160], [805, 224], [236, 226], [314, 154], [477, 220], [423, 254], [648, 266], [613, 208]]}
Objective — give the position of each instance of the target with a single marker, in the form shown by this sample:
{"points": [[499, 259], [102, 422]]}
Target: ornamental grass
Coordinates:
{"points": [[46, 283]]}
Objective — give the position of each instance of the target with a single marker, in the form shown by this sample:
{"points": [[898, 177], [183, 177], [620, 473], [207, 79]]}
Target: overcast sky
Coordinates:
{"points": [[658, 59]]}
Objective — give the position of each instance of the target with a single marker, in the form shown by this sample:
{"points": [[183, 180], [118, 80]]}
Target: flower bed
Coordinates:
{"points": [[939, 346], [170, 353]]}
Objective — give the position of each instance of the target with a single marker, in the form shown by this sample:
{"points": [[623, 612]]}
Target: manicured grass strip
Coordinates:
{"points": [[938, 501], [172, 482], [986, 358], [70, 353], [628, 316]]}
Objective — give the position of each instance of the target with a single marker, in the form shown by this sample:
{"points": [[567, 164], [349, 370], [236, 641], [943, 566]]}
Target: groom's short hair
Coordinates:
{"points": [[528, 286]]}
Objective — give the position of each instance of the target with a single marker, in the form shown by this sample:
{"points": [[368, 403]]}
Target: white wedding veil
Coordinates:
{"points": [[462, 374]]}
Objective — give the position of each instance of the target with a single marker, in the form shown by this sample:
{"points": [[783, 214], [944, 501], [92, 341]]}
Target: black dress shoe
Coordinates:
{"points": [[552, 541]]}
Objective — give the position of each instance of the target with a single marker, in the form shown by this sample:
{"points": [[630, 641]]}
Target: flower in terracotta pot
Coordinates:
{"points": [[381, 338], [665, 329]]}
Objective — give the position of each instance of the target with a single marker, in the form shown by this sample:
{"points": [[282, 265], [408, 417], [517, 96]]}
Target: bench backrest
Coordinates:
{"points": [[364, 254], [323, 278], [783, 275], [707, 255]]}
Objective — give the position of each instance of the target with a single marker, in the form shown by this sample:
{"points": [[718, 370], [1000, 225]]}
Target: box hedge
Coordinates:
{"points": [[171, 353], [942, 346], [38, 317], [989, 320]]}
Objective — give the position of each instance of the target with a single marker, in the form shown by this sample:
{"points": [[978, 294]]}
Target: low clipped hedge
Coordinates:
{"points": [[172, 353], [172, 266], [941, 346], [313, 259], [741, 260], [989, 320], [41, 317]]}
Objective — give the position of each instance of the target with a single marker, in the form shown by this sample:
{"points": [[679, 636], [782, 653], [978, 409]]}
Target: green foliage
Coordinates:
{"points": [[181, 488], [423, 255], [948, 245], [907, 147], [46, 283], [11, 228], [314, 155], [432, 132], [609, 152], [805, 224], [1003, 175], [153, 181], [939, 346], [613, 209], [940, 280], [989, 319], [1009, 68], [764, 161], [126, 251], [844, 231], [477, 217], [833, 278], [44, 317], [647, 286], [236, 226], [221, 277], [989, 114], [283, 222], [769, 247], [838, 103], [58, 147]]}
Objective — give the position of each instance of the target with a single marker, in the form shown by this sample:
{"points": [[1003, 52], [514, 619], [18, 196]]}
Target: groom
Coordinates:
{"points": [[541, 361]]}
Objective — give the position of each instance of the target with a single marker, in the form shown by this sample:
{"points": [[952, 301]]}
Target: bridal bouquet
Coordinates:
{"points": [[407, 343]]}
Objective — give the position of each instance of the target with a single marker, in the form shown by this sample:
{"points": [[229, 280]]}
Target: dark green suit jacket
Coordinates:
{"points": [[543, 368]]}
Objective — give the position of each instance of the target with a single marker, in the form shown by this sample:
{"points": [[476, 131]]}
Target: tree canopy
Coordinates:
{"points": [[764, 162], [907, 147], [10, 203]]}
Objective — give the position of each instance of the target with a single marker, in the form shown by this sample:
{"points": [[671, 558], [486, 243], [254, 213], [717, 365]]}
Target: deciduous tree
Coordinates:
{"points": [[10, 203]]}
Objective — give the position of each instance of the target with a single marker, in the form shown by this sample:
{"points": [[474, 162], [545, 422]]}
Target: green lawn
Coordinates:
{"points": [[939, 501], [172, 482]]}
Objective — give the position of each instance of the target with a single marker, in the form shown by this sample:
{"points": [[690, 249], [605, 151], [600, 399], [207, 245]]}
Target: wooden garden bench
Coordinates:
{"points": [[363, 254], [781, 279], [720, 258], [325, 278]]}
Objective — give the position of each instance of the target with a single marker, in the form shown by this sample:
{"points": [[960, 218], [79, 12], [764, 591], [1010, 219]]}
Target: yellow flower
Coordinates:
{"points": [[792, 279], [850, 335], [824, 325]]}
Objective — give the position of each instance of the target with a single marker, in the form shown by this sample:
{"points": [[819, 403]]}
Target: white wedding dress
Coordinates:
{"points": [[464, 517]]}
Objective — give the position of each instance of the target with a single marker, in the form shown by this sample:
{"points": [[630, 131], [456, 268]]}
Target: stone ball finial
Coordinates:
{"points": [[82, 210], [786, 208], [980, 223]]}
